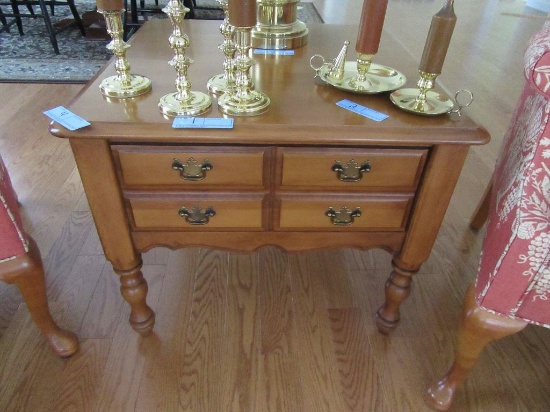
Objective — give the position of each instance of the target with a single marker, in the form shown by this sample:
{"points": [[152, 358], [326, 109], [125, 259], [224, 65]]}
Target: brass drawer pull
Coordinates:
{"points": [[342, 217], [351, 171], [192, 170], [196, 216]]}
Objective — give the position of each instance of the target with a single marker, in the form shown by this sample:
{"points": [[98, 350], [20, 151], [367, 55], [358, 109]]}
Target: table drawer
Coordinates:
{"points": [[191, 168], [198, 212], [348, 169], [343, 212]]}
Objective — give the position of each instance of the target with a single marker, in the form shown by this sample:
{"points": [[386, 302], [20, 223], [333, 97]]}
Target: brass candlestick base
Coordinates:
{"points": [[361, 76], [184, 102], [224, 82], [278, 27], [124, 84], [193, 104], [243, 100], [424, 100]]}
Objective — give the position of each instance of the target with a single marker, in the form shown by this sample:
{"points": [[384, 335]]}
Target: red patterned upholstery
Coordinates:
{"points": [[13, 241], [514, 271], [513, 282]]}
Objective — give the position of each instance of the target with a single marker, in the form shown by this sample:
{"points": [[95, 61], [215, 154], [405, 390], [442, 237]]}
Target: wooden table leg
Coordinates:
{"points": [[133, 289], [98, 174], [398, 288], [433, 197], [482, 210]]}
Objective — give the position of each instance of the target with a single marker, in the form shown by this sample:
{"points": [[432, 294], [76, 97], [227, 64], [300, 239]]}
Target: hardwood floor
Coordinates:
{"points": [[266, 331]]}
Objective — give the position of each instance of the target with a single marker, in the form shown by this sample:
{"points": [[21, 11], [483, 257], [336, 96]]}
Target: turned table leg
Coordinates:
{"points": [[398, 288], [433, 196], [477, 328], [133, 288], [99, 177]]}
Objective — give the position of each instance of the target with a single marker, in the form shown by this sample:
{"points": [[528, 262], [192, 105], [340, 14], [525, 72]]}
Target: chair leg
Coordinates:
{"points": [[76, 16], [478, 327], [482, 211], [18, 21], [27, 273], [4, 22], [49, 25], [190, 5]]}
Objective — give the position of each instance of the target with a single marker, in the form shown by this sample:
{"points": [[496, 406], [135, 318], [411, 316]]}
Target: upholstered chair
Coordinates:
{"points": [[21, 264], [512, 288]]}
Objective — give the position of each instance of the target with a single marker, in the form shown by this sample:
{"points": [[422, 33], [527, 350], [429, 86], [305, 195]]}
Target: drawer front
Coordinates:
{"points": [[198, 212], [349, 170], [191, 168], [343, 213]]}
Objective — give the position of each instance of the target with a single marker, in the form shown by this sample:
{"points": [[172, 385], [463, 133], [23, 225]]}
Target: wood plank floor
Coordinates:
{"points": [[266, 331]]}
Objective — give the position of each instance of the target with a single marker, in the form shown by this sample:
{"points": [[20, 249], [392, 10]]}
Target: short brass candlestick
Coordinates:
{"points": [[224, 82], [243, 100], [123, 84], [361, 76], [184, 102], [362, 81], [424, 100]]}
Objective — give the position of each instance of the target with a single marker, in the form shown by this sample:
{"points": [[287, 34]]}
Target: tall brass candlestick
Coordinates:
{"points": [[184, 102], [424, 100], [124, 84], [243, 100], [221, 83]]}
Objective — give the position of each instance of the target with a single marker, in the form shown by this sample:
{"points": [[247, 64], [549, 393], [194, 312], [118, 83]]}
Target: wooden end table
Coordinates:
{"points": [[282, 178]]}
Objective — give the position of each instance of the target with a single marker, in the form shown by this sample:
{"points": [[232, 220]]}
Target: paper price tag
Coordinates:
{"points": [[66, 118], [362, 110], [274, 52], [202, 123]]}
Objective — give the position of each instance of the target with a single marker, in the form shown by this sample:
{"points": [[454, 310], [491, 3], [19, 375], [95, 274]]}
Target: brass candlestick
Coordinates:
{"points": [[123, 84], [184, 102], [224, 82], [361, 76], [243, 100], [423, 100]]}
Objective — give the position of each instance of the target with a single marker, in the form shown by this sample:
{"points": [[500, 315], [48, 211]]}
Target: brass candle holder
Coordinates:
{"points": [[183, 102], [243, 100], [424, 100], [224, 82], [124, 84], [361, 76]]}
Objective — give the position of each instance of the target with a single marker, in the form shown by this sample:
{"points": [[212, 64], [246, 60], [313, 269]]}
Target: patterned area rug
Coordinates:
{"points": [[30, 58]]}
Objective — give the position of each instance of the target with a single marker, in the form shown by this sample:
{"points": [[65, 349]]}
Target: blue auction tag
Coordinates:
{"points": [[274, 52], [66, 118], [202, 123], [362, 110]]}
